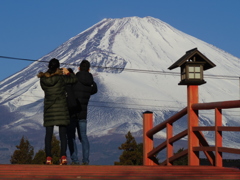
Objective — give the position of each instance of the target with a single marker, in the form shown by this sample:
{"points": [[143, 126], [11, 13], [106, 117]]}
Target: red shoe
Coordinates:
{"points": [[63, 160], [49, 160]]}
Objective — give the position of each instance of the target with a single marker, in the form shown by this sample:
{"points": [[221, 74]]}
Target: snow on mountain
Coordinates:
{"points": [[130, 59]]}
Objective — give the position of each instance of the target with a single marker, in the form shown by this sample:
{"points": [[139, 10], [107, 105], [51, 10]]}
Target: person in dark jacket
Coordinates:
{"points": [[73, 105], [56, 113], [83, 89]]}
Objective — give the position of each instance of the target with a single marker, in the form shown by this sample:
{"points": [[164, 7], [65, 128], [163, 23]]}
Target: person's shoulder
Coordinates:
{"points": [[83, 73]]}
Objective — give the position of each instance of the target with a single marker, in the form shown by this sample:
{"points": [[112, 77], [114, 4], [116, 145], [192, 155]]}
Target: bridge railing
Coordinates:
{"points": [[193, 132]]}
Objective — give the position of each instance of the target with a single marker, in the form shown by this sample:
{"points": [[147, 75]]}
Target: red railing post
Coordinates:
{"points": [[147, 142], [218, 137], [169, 128], [192, 94]]}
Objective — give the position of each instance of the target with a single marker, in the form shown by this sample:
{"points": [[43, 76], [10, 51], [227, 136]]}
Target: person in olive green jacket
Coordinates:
{"points": [[56, 113]]}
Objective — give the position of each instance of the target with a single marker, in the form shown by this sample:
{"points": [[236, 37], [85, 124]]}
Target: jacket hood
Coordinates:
{"points": [[47, 74]]}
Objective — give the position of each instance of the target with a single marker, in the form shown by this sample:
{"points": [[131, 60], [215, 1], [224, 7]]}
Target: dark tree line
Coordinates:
{"points": [[132, 154], [24, 154]]}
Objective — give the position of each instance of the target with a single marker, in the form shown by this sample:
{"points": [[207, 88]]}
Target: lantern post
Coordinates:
{"points": [[192, 65]]}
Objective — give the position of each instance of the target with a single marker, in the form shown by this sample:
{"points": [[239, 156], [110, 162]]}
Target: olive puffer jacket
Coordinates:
{"points": [[55, 104], [83, 89]]}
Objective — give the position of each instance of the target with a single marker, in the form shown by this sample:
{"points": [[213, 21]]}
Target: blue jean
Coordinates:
{"points": [[81, 127]]}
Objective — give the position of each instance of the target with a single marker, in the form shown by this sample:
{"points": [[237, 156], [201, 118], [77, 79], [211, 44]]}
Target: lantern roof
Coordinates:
{"points": [[193, 56]]}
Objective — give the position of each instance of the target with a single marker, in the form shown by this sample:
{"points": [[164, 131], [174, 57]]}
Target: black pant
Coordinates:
{"points": [[63, 140]]}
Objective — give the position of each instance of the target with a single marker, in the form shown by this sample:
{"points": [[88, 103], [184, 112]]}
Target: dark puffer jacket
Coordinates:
{"points": [[83, 89], [73, 105], [55, 104]]}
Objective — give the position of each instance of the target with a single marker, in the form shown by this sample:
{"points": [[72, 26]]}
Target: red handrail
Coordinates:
{"points": [[218, 105], [214, 159], [171, 120]]}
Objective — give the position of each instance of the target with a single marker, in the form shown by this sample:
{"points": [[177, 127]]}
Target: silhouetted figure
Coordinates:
{"points": [[83, 89], [53, 83]]}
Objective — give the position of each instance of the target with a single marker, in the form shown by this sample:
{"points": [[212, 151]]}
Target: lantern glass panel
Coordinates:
{"points": [[191, 75], [197, 69], [194, 72], [183, 74], [191, 69], [197, 75]]}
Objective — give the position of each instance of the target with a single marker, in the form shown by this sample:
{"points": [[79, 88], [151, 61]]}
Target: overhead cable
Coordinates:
{"points": [[131, 70]]}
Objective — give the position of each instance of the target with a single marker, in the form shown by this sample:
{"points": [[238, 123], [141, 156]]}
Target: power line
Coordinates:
{"points": [[131, 70], [155, 108], [160, 100], [7, 57], [99, 103], [118, 103]]}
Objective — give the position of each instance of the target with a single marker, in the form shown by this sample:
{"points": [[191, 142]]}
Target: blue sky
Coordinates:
{"points": [[31, 29]]}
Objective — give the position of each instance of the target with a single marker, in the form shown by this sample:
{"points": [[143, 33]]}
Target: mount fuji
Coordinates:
{"points": [[129, 61]]}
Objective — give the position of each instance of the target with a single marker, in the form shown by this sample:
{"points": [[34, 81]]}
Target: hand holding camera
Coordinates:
{"points": [[65, 71]]}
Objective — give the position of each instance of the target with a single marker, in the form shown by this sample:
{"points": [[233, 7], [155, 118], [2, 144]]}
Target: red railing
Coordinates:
{"points": [[196, 139]]}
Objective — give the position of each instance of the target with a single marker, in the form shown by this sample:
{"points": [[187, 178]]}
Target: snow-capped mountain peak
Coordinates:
{"points": [[129, 60]]}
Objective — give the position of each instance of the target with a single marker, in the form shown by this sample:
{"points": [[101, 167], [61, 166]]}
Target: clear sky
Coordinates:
{"points": [[31, 29]]}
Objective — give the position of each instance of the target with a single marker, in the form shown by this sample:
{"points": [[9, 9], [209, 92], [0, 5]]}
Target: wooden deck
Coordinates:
{"points": [[47, 172]]}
